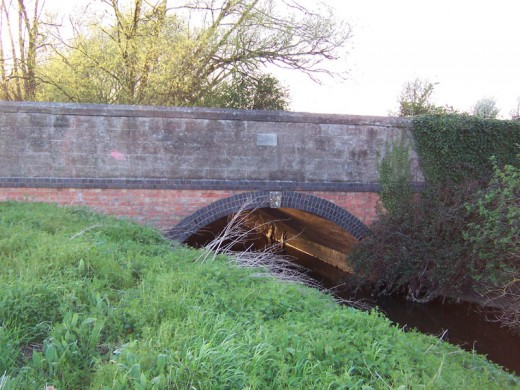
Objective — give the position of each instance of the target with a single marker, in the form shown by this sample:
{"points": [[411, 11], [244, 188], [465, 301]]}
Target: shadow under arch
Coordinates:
{"points": [[268, 199]]}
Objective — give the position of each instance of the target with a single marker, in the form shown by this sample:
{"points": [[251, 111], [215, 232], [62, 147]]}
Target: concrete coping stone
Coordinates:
{"points": [[136, 111]]}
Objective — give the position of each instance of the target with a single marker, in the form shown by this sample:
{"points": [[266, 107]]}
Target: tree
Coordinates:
{"points": [[485, 108], [254, 92], [415, 99], [515, 114], [150, 53], [21, 30]]}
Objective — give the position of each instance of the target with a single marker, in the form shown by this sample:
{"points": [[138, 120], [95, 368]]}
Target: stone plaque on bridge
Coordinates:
{"points": [[266, 139]]}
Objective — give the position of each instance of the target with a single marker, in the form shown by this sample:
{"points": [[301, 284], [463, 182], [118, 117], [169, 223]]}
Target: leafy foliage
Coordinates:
{"points": [[419, 251], [22, 41], [495, 240], [148, 53], [394, 177], [424, 249], [485, 108], [415, 99], [495, 236], [133, 312], [250, 92], [458, 147]]}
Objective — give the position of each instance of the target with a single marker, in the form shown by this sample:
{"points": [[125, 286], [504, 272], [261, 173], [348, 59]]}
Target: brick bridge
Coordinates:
{"points": [[182, 168]]}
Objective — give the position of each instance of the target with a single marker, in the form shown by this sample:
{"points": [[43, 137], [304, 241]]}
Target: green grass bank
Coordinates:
{"points": [[88, 301]]}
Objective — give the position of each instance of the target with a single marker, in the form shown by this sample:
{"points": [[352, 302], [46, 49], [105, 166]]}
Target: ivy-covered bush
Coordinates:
{"points": [[458, 147]]}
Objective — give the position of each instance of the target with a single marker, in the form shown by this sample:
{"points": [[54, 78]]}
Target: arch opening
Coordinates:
{"points": [[268, 199], [307, 227]]}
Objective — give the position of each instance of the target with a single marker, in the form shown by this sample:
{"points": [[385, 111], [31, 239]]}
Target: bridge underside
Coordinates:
{"points": [[308, 233], [293, 232]]}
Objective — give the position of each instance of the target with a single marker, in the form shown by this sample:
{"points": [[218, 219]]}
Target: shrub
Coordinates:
{"points": [[495, 236], [495, 242], [421, 251]]}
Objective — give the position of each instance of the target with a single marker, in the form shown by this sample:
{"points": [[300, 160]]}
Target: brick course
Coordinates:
{"points": [[166, 208]]}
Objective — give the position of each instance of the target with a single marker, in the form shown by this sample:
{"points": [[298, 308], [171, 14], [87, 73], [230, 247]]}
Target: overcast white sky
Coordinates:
{"points": [[471, 48]]}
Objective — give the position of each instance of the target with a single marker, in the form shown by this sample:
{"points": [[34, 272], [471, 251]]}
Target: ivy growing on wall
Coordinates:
{"points": [[394, 177], [458, 147]]}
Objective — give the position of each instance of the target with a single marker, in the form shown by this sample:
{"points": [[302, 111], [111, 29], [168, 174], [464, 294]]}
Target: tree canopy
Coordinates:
{"points": [[250, 91], [485, 108], [416, 99], [172, 53]]}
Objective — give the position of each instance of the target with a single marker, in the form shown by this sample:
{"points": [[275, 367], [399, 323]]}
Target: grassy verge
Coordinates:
{"points": [[92, 302]]}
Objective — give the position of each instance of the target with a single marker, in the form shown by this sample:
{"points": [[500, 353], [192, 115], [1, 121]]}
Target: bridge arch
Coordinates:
{"points": [[268, 199]]}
